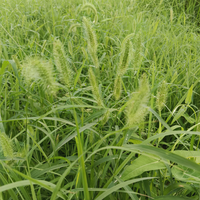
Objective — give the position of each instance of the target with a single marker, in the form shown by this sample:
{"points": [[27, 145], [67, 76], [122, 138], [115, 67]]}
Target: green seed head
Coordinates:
{"points": [[95, 88], [92, 7], [0, 50], [105, 117], [136, 111], [162, 96], [14, 57], [91, 41], [138, 50], [62, 64], [6, 145], [125, 57], [40, 71], [117, 87]]}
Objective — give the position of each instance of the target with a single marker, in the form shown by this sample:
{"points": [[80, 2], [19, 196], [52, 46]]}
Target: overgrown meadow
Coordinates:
{"points": [[99, 100]]}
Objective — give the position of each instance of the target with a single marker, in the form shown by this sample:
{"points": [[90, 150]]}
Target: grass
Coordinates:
{"points": [[99, 100]]}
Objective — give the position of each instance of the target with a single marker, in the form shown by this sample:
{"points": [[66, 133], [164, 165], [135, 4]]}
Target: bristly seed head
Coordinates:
{"points": [[162, 96], [62, 64], [136, 111], [40, 71], [91, 41], [117, 87], [95, 88]]}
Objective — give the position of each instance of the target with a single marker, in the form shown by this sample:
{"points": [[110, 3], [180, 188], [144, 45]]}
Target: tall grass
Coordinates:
{"points": [[99, 100]]}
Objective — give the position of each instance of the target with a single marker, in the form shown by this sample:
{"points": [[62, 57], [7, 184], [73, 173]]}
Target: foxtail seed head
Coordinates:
{"points": [[62, 64], [92, 7], [95, 88], [14, 57], [162, 96], [138, 50], [91, 41], [117, 87], [6, 145], [125, 57], [105, 117], [41, 72], [73, 27], [135, 110], [0, 50]]}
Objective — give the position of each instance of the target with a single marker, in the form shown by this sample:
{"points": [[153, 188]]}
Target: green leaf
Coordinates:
{"points": [[189, 154], [120, 185], [180, 113], [189, 119], [78, 75], [185, 174], [171, 198], [189, 95], [177, 186], [140, 165], [164, 154]]}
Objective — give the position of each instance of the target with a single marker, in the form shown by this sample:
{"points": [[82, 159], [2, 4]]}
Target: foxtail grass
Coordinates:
{"points": [[92, 7], [125, 59], [62, 64], [95, 88], [17, 62], [136, 110], [40, 71], [6, 145], [91, 42], [161, 97], [0, 51]]}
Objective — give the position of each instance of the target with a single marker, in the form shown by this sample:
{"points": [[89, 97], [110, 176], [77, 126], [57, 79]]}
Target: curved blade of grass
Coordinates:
{"points": [[171, 198], [166, 155], [147, 150], [120, 185], [175, 186], [128, 189], [169, 133], [140, 165], [45, 184]]}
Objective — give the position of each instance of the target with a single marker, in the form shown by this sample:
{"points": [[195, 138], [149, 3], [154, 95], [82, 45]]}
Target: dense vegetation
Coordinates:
{"points": [[100, 99]]}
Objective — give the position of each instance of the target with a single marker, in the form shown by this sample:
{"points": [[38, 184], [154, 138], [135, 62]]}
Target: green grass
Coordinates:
{"points": [[99, 100]]}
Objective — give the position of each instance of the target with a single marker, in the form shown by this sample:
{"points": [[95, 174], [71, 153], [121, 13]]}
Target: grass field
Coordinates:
{"points": [[99, 100]]}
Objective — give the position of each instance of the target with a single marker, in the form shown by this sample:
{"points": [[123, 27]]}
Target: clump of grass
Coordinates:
{"points": [[62, 64], [40, 71], [95, 88], [91, 42], [135, 110]]}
